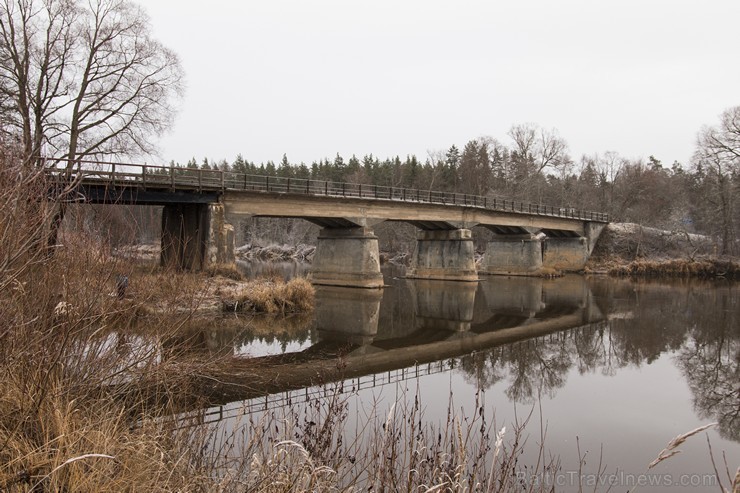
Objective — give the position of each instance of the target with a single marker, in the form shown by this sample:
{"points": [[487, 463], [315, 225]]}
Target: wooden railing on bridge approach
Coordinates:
{"points": [[116, 174]]}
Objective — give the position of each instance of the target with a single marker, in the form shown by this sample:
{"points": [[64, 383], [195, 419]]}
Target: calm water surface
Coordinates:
{"points": [[621, 366]]}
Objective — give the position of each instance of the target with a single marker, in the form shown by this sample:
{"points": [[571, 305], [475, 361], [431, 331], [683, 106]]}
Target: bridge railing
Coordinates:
{"points": [[197, 179]]}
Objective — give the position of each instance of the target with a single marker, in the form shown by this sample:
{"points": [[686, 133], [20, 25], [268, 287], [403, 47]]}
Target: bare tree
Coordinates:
{"points": [[84, 79], [36, 49], [718, 153], [126, 86], [540, 147], [535, 152]]}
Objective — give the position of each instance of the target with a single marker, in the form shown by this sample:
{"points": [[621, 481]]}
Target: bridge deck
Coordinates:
{"points": [[187, 182]]}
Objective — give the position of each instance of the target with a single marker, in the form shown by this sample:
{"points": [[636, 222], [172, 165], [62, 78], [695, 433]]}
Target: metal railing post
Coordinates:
{"points": [[113, 175], [143, 176]]}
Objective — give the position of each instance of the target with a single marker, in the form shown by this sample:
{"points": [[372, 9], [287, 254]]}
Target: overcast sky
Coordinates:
{"points": [[313, 78]]}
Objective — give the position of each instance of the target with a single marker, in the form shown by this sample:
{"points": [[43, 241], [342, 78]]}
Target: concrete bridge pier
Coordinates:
{"points": [[196, 236], [513, 255], [447, 255], [347, 256]]}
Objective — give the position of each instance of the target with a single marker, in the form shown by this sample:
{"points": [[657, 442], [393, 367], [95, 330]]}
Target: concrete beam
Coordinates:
{"points": [[306, 206]]}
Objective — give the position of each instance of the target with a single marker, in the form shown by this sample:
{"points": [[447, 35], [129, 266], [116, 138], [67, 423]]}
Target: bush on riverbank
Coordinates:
{"points": [[273, 295]]}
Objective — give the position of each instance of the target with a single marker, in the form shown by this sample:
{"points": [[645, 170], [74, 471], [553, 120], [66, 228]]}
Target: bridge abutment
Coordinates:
{"points": [[221, 238], [195, 236], [565, 254], [444, 255], [347, 257], [513, 255]]}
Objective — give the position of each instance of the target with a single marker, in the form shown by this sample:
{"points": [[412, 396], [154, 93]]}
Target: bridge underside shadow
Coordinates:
{"points": [[195, 234]]}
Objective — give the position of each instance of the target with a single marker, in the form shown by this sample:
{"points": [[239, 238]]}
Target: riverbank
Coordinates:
{"points": [[626, 249], [76, 412], [220, 288]]}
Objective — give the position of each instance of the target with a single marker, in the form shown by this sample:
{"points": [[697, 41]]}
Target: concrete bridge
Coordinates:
{"points": [[528, 238]]}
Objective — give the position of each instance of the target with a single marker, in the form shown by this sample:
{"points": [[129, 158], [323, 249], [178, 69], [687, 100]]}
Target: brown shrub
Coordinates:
{"points": [[275, 295]]}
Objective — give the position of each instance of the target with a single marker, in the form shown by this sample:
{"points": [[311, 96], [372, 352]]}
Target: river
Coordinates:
{"points": [[608, 370]]}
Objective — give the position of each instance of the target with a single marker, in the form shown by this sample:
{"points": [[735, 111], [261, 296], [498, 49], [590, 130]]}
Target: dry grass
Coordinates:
{"points": [[702, 268], [71, 376], [229, 271], [549, 273], [275, 295]]}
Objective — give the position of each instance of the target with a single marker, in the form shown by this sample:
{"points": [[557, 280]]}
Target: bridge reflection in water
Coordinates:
{"points": [[370, 338]]}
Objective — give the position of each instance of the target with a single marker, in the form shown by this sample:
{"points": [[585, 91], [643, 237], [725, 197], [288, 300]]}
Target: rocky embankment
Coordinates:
{"points": [[276, 253], [634, 250]]}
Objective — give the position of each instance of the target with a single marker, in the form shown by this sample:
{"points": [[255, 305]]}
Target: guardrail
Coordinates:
{"points": [[200, 180]]}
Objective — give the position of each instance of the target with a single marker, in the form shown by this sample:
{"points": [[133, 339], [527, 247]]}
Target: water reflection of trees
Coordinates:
{"points": [[711, 363], [699, 325], [539, 366]]}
